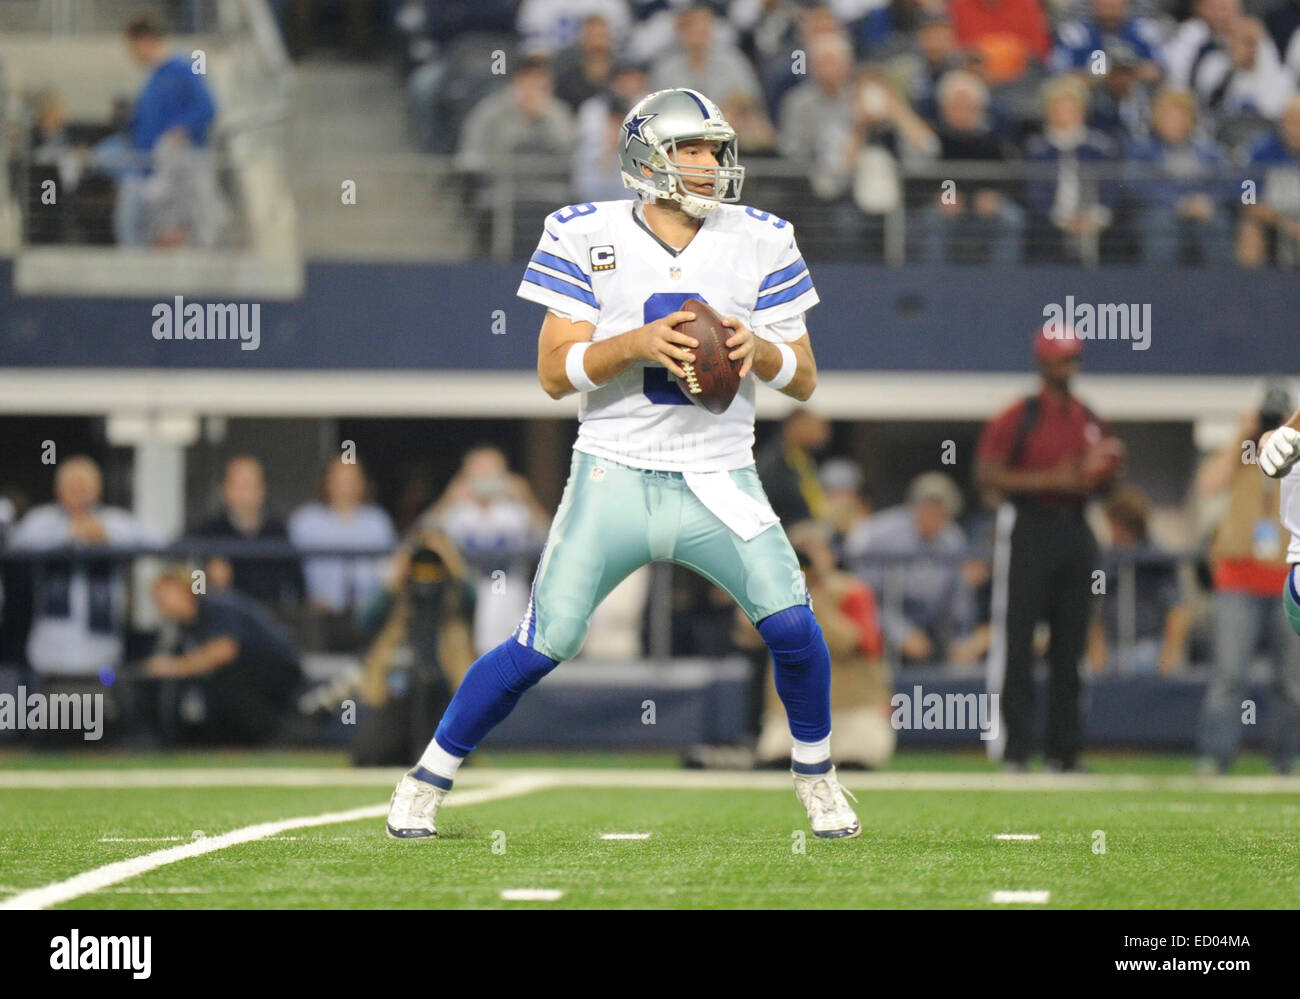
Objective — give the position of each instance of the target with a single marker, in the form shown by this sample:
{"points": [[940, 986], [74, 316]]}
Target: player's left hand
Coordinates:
{"points": [[743, 343]]}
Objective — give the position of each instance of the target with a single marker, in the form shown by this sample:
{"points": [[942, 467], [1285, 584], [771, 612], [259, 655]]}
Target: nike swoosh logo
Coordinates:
{"points": [[551, 234]]}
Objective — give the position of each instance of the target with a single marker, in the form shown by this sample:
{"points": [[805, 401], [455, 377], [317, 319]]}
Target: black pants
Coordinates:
{"points": [[1047, 575]]}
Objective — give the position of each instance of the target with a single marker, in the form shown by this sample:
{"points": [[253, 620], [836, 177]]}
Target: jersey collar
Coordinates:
{"points": [[645, 226]]}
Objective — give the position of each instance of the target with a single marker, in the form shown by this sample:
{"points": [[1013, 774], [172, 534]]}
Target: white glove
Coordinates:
{"points": [[1280, 453]]}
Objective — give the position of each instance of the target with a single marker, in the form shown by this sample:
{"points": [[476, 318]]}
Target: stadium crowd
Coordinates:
{"points": [[1000, 130], [1008, 130]]}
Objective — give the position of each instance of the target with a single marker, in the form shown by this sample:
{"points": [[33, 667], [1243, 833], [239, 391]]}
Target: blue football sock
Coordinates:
{"points": [[488, 693], [802, 666]]}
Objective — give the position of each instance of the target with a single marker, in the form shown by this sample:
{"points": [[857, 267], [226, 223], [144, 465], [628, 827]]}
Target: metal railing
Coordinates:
{"points": [[904, 213], [659, 604]]}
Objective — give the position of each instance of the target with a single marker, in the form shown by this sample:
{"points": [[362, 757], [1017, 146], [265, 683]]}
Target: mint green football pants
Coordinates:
{"points": [[1291, 598], [613, 519]]}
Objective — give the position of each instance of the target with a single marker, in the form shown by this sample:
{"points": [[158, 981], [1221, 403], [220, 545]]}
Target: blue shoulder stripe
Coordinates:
{"points": [[560, 264], [786, 294], [533, 276], [784, 274]]}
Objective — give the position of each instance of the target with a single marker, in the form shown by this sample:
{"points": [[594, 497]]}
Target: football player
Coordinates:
{"points": [[653, 476], [1279, 455]]}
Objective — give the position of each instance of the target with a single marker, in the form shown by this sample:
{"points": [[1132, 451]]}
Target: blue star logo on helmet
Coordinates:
{"points": [[633, 128]]}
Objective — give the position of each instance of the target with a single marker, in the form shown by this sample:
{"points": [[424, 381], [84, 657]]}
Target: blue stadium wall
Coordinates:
{"points": [[871, 318]]}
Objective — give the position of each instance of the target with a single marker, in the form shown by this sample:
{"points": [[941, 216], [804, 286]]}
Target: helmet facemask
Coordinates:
{"points": [[652, 133], [727, 176]]}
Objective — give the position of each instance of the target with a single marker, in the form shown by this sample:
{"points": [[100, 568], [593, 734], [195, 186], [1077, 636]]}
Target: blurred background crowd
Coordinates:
{"points": [[1095, 131], [337, 597]]}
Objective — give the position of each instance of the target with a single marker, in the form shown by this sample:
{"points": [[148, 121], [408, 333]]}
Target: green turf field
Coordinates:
{"points": [[525, 822]]}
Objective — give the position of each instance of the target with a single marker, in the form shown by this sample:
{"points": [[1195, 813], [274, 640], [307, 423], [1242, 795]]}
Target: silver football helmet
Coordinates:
{"points": [[649, 138]]}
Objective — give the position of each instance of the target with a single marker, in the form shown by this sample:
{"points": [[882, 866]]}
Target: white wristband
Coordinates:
{"points": [[576, 370], [788, 364]]}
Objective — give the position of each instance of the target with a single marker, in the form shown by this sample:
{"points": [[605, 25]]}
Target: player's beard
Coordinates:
{"points": [[676, 212]]}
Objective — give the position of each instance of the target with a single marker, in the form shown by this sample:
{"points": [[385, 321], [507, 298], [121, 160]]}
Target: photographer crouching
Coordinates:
{"points": [[237, 673]]}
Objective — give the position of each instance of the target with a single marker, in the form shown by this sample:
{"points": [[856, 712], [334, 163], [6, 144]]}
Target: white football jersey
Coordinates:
{"points": [[1290, 510], [600, 263]]}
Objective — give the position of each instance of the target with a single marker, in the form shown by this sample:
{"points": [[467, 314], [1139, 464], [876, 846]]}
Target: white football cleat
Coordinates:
{"points": [[414, 805], [830, 813]]}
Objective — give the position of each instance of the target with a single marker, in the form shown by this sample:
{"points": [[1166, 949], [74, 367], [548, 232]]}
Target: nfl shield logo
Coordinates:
{"points": [[675, 273]]}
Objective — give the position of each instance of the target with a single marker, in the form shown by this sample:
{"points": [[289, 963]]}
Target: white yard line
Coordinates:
{"points": [[625, 836], [635, 778], [1017, 837], [141, 839], [110, 874], [1031, 897], [531, 894]]}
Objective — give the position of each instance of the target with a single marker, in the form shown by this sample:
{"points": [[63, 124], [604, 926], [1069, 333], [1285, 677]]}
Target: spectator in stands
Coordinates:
{"points": [[910, 560], [452, 47], [1255, 92], [491, 515], [524, 117], [1009, 35], [654, 28], [1160, 617], [780, 37], [171, 197], [1121, 101], [1196, 54], [586, 67], [597, 172], [975, 220], [787, 469], [342, 519], [243, 517], [1075, 207], [754, 131], [866, 185], [1183, 191], [239, 669], [702, 61], [1283, 23], [861, 734], [1275, 172], [548, 26], [78, 608], [816, 116], [629, 83], [1111, 25], [848, 505], [936, 52], [1248, 555]]}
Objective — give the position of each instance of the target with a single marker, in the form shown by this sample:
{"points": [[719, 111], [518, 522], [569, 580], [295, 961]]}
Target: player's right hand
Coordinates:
{"points": [[1280, 452], [660, 343]]}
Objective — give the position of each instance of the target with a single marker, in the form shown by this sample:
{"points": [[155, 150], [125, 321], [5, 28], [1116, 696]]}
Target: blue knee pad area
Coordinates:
{"points": [[801, 665], [489, 692]]}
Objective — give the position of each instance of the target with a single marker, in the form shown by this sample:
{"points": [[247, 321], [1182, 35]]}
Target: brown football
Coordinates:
{"points": [[712, 381]]}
